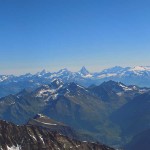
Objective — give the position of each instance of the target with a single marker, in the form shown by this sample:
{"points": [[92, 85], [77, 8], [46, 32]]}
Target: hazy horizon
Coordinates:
{"points": [[69, 69]]}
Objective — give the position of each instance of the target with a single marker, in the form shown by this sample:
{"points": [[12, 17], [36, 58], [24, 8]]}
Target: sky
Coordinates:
{"points": [[55, 34]]}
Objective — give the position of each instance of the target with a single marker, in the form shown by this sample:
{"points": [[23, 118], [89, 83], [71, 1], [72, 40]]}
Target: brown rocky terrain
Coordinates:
{"points": [[30, 137]]}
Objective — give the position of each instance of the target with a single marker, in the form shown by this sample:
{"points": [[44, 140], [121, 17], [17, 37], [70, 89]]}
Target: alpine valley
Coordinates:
{"points": [[62, 106]]}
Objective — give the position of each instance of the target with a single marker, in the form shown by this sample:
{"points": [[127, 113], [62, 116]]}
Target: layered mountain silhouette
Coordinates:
{"points": [[112, 112], [139, 75]]}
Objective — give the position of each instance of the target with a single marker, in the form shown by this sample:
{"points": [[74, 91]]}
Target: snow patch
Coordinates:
{"points": [[82, 87], [125, 88], [14, 147], [45, 92], [119, 93], [55, 96], [52, 124], [41, 116], [41, 139]]}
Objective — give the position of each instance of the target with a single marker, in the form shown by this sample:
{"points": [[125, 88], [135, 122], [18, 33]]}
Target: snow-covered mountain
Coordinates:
{"points": [[139, 75], [128, 71], [65, 74]]}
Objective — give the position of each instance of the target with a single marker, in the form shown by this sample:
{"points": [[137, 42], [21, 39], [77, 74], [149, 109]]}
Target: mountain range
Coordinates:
{"points": [[138, 75], [111, 113]]}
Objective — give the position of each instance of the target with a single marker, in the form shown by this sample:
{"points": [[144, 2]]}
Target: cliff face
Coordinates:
{"points": [[30, 137]]}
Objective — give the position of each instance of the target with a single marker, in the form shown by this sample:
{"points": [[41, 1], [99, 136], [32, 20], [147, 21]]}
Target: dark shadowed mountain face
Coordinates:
{"points": [[138, 75], [31, 137], [134, 117], [88, 110], [140, 141]]}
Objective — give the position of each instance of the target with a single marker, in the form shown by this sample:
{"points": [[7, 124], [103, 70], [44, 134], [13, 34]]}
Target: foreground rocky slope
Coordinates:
{"points": [[55, 126], [30, 137], [52, 125]]}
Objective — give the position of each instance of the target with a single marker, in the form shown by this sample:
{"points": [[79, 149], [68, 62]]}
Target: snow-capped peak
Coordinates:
{"points": [[43, 72], [116, 69], [140, 68], [84, 71]]}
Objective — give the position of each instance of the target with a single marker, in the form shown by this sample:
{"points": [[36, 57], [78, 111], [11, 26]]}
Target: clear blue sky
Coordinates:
{"points": [[53, 34]]}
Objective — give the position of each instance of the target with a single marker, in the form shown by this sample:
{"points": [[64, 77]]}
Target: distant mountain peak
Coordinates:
{"points": [[113, 69], [84, 71], [62, 71], [111, 83], [140, 68], [41, 73], [117, 67]]}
